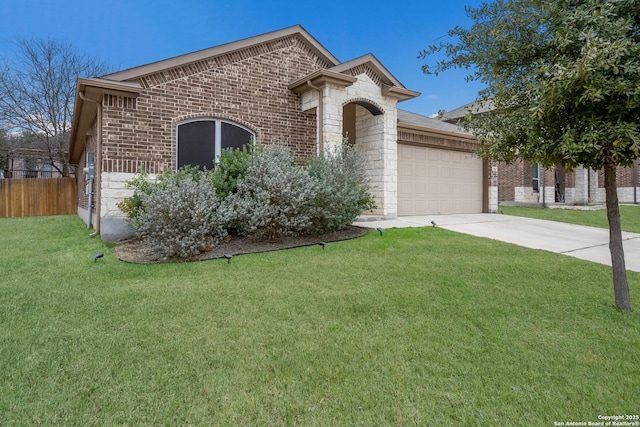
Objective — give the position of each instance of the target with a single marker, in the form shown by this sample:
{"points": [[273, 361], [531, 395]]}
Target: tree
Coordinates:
{"points": [[37, 90], [565, 82], [5, 147]]}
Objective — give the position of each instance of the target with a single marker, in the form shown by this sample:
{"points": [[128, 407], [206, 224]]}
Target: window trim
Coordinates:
{"points": [[217, 147], [535, 180]]}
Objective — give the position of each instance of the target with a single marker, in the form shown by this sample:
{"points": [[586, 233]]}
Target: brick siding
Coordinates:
{"points": [[248, 87], [518, 174]]}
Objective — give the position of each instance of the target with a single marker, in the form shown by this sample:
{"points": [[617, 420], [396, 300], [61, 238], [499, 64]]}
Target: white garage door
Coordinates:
{"points": [[437, 181]]}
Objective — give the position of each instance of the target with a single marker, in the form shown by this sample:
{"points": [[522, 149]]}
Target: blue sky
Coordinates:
{"points": [[128, 33]]}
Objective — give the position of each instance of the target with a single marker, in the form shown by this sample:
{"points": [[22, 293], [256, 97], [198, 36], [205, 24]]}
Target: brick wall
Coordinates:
{"points": [[516, 178], [248, 87], [512, 176], [624, 176]]}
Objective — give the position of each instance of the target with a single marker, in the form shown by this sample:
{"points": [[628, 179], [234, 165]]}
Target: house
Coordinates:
{"points": [[32, 161], [524, 183], [282, 86]]}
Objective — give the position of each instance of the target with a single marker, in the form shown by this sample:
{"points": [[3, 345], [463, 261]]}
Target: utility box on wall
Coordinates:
{"points": [[89, 172]]}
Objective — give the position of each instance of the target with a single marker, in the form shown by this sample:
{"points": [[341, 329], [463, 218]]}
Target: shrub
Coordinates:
{"points": [[341, 189], [132, 206], [184, 173], [180, 217], [142, 185], [274, 197], [263, 194], [231, 167]]}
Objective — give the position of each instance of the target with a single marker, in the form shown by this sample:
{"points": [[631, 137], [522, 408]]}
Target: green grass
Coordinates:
{"points": [[629, 216], [417, 327]]}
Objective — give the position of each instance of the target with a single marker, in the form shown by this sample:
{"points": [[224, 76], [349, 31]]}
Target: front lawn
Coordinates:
{"points": [[419, 326], [629, 216]]}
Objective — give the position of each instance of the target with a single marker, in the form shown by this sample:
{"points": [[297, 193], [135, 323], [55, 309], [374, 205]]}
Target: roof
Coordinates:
{"points": [[89, 91], [369, 59], [413, 120], [475, 107], [178, 61], [337, 75]]}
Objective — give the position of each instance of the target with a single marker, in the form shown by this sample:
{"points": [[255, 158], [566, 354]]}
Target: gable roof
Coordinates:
{"points": [[89, 91], [154, 67], [390, 85], [340, 75], [376, 66]]}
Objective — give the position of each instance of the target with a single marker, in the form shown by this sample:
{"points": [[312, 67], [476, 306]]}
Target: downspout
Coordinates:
{"points": [[635, 182], [588, 186], [91, 181], [541, 173], [320, 116], [97, 161]]}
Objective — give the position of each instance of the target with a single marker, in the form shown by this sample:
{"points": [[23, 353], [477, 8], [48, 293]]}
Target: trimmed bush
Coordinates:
{"points": [[341, 189], [180, 217], [263, 194], [273, 199], [142, 185]]}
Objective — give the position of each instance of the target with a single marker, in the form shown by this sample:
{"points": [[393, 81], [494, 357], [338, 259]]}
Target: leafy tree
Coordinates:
{"points": [[37, 90], [565, 81]]}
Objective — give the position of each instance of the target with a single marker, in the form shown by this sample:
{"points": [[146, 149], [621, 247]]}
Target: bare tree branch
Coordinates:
{"points": [[37, 90]]}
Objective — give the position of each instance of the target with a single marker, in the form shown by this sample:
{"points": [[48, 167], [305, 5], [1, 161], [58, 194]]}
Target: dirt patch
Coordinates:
{"points": [[135, 250]]}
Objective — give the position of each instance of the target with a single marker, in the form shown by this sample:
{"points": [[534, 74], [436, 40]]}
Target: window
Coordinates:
{"points": [[46, 170], [535, 173], [200, 142], [31, 168]]}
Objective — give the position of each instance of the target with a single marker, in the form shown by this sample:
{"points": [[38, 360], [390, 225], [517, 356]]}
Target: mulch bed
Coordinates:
{"points": [[135, 250]]}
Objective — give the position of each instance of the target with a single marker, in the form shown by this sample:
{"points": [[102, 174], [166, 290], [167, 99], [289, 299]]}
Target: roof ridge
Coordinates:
{"points": [[226, 48]]}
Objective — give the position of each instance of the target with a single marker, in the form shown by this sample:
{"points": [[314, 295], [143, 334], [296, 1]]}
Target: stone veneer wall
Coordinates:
{"points": [[376, 136]]}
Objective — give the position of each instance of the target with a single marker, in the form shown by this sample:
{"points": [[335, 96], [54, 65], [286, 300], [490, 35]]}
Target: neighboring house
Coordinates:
{"points": [[32, 162], [526, 183], [282, 86]]}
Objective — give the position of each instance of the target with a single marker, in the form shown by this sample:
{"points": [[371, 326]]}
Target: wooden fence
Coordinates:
{"points": [[35, 197]]}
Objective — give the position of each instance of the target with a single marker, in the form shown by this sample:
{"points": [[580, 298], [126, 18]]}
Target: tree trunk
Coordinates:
{"points": [[620, 285]]}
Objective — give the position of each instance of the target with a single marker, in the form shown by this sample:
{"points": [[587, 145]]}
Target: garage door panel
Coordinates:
{"points": [[407, 171], [433, 180], [405, 187]]}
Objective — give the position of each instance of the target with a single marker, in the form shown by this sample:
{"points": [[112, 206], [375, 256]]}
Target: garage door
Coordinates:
{"points": [[437, 181]]}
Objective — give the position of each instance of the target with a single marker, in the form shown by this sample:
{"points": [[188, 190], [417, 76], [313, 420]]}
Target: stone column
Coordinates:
{"points": [[581, 192], [491, 185]]}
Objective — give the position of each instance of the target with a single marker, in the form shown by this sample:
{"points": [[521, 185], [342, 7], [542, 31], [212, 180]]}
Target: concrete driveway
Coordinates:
{"points": [[588, 243]]}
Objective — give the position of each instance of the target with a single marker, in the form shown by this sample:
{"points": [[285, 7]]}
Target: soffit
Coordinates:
{"points": [[85, 110], [321, 78]]}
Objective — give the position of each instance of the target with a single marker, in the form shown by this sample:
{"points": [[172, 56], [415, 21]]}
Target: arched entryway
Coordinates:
{"points": [[363, 126], [358, 114]]}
